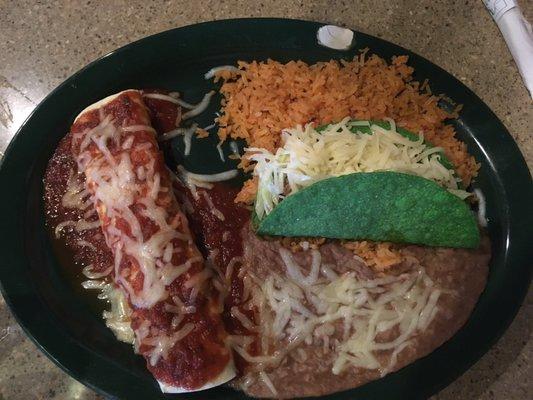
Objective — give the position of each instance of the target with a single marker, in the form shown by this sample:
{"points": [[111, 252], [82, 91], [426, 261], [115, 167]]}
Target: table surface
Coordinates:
{"points": [[42, 43]]}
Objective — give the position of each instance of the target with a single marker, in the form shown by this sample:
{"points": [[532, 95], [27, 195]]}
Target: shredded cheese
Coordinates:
{"points": [[308, 156], [220, 152], [234, 148], [214, 71], [116, 187], [117, 318], [187, 134], [215, 211], [160, 96], [163, 343], [482, 208], [116, 184], [76, 196], [340, 312], [207, 178], [192, 181], [200, 107]]}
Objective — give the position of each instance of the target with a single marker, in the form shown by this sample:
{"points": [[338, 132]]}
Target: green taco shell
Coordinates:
{"points": [[378, 206]]}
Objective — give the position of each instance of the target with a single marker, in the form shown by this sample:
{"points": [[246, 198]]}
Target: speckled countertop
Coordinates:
{"points": [[43, 42]]}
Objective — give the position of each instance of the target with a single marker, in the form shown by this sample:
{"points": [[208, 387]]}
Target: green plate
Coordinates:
{"points": [[64, 323]]}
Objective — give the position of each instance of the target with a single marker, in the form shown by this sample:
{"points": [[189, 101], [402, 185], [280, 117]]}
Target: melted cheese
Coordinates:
{"points": [[89, 273], [308, 156], [117, 318], [116, 186], [343, 313], [215, 211], [163, 343], [243, 319], [76, 195], [79, 225], [231, 267], [128, 196], [266, 380]]}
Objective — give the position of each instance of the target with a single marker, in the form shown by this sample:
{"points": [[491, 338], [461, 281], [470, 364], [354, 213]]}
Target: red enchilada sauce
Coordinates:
{"points": [[221, 241], [193, 363], [164, 114], [218, 239]]}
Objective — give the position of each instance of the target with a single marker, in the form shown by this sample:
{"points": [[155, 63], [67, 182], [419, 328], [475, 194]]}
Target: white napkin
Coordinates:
{"points": [[517, 34]]}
